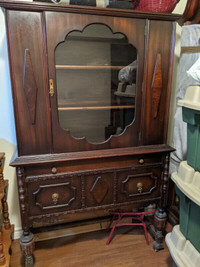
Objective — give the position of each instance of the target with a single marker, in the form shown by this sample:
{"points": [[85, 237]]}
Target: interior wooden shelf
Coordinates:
{"points": [[87, 67], [97, 108], [98, 39]]}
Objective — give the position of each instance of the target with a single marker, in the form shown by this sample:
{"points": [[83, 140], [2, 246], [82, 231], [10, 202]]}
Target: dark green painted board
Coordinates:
{"points": [[189, 219], [192, 118]]}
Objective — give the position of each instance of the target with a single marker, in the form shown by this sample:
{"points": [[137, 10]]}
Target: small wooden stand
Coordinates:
{"points": [[6, 229]]}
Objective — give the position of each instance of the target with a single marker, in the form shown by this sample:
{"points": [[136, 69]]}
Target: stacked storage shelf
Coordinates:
{"points": [[181, 250], [184, 241]]}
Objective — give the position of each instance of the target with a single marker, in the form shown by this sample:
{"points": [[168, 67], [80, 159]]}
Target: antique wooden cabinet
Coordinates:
{"points": [[91, 92]]}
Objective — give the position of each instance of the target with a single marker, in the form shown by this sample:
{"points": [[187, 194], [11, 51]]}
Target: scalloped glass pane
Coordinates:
{"points": [[96, 83]]}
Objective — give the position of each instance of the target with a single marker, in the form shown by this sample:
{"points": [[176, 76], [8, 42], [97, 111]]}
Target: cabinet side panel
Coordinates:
{"points": [[27, 59], [158, 81]]}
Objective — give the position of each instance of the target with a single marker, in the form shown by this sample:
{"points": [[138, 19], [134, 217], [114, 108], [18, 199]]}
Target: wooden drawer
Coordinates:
{"points": [[50, 195], [138, 184], [92, 164]]}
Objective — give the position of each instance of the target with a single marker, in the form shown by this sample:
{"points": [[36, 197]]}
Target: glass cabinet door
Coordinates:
{"points": [[96, 64], [96, 74]]}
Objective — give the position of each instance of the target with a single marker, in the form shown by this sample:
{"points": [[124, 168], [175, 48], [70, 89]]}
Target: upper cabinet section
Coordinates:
{"points": [[96, 72], [88, 78]]}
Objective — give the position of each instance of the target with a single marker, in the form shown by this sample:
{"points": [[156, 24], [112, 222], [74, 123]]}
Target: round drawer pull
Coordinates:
{"points": [[54, 170], [141, 161], [55, 197], [139, 187]]}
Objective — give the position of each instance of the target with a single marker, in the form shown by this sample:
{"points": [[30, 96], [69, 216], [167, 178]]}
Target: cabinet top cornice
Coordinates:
{"points": [[40, 6]]}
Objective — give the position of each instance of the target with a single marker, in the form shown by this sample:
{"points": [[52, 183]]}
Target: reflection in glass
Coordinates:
{"points": [[96, 83]]}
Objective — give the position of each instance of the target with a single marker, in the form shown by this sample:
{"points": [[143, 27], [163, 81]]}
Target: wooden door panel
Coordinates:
{"points": [[157, 81], [57, 30], [29, 82], [138, 184], [47, 194]]}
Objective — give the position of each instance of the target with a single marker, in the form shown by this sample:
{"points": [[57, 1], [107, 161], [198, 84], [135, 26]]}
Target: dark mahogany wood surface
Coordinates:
{"points": [[160, 43], [134, 30], [73, 250], [28, 61], [37, 6], [98, 154], [29, 81]]}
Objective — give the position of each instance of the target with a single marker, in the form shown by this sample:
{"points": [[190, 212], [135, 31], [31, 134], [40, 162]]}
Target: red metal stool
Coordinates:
{"points": [[139, 216]]}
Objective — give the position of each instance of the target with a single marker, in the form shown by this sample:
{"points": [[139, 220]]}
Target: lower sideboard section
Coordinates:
{"points": [[65, 197]]}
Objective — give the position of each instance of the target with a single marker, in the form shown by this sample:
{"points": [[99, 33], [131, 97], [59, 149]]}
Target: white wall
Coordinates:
{"points": [[179, 10], [7, 127]]}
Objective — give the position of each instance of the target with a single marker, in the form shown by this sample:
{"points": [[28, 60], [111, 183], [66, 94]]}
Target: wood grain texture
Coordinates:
{"points": [[22, 199], [48, 158], [134, 30], [2, 256], [160, 41], [172, 205], [157, 86], [30, 86], [6, 219], [25, 32], [126, 249], [97, 189], [190, 49], [7, 241]]}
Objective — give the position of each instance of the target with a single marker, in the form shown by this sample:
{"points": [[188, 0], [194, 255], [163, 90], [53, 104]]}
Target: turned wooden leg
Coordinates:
{"points": [[160, 216], [27, 247], [2, 182], [157, 228], [2, 256], [27, 239], [6, 220], [160, 219]]}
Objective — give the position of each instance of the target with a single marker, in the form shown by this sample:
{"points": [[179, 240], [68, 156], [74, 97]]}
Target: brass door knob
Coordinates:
{"points": [[55, 198], [141, 161], [139, 187], [54, 170]]}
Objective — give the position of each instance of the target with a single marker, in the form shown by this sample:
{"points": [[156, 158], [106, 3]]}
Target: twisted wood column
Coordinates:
{"points": [[27, 239]]}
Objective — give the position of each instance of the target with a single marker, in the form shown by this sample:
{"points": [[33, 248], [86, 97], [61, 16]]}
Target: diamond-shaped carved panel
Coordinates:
{"points": [[157, 85], [30, 86], [99, 190]]}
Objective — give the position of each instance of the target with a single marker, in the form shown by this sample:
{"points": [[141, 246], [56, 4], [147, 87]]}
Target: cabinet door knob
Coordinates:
{"points": [[55, 197], [54, 170], [139, 187], [141, 161]]}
